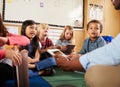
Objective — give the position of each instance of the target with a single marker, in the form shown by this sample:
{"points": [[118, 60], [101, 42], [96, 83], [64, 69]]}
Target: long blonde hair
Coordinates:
{"points": [[62, 36]]}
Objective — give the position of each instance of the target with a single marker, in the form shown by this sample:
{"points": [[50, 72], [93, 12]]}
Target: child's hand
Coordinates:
{"points": [[15, 56]]}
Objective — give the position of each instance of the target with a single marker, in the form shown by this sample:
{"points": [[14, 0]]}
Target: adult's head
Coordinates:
{"points": [[116, 4]]}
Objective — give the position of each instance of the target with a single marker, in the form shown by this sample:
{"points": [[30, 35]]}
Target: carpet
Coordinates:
{"points": [[66, 79]]}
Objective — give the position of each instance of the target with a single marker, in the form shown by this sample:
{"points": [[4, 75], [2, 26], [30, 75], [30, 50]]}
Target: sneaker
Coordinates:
{"points": [[49, 72]]}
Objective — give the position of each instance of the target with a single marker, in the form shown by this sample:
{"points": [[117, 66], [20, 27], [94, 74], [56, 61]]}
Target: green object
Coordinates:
{"points": [[66, 79]]}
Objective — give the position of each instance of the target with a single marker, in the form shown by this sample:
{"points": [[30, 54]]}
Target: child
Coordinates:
{"points": [[29, 29], [45, 44], [94, 29], [66, 38], [6, 71]]}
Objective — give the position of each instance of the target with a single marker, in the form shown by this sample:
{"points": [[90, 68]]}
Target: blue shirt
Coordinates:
{"points": [[89, 45]]}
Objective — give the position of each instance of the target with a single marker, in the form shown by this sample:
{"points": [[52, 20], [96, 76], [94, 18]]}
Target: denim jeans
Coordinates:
{"points": [[46, 63]]}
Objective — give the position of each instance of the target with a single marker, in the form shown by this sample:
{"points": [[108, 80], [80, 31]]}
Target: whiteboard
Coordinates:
{"points": [[54, 12], [1, 4]]}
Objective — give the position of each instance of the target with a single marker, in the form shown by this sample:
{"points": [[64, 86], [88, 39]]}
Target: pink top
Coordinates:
{"points": [[18, 40], [2, 54], [15, 40]]}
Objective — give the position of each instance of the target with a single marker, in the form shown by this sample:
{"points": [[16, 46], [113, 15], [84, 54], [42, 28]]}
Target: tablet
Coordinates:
{"points": [[56, 52], [69, 49]]}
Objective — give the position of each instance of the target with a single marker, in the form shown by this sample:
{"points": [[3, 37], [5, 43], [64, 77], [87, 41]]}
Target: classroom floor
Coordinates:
{"points": [[66, 79]]}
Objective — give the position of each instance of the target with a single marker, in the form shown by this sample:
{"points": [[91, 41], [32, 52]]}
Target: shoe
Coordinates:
{"points": [[49, 72]]}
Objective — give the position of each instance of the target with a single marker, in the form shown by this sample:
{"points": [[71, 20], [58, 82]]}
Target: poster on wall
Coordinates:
{"points": [[95, 12], [57, 13]]}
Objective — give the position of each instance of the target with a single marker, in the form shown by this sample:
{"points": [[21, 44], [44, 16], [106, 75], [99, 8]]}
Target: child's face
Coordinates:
{"points": [[68, 34], [93, 30], [31, 31], [44, 31]]}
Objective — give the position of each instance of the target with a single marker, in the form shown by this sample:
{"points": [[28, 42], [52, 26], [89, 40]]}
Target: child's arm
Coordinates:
{"points": [[15, 56], [14, 40], [18, 40], [84, 46], [36, 58], [101, 42], [3, 40], [31, 62]]}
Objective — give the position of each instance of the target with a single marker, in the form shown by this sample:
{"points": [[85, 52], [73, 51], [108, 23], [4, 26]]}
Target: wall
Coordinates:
{"points": [[0, 6], [111, 19]]}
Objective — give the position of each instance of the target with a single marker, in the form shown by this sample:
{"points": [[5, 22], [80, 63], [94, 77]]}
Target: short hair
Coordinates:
{"points": [[41, 26], [96, 21]]}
